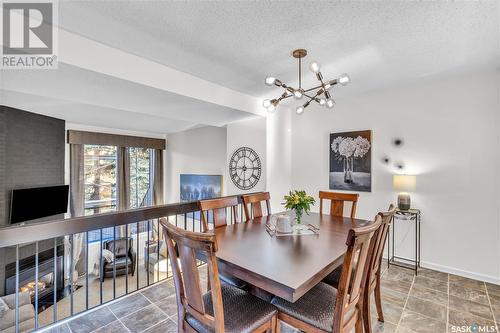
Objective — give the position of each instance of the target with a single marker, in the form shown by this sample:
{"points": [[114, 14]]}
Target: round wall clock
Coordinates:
{"points": [[245, 168]]}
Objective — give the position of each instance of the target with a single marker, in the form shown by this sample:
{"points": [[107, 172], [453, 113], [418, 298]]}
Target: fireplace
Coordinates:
{"points": [[47, 280], [45, 286]]}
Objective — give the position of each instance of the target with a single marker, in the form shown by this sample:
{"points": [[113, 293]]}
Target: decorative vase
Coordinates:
{"points": [[298, 216], [348, 166]]}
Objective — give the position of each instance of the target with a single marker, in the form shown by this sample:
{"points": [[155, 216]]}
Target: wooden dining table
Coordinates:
{"points": [[285, 266]]}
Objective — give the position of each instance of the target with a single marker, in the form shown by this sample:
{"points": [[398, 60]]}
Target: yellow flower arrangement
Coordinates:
{"points": [[300, 202]]}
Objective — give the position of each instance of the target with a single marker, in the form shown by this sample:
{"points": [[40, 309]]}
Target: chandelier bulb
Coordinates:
{"points": [[322, 101], [270, 80], [298, 94], [314, 66], [330, 103], [344, 79], [299, 110], [266, 103]]}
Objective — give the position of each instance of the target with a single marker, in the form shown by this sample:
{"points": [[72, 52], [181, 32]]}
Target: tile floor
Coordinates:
{"points": [[430, 302]]}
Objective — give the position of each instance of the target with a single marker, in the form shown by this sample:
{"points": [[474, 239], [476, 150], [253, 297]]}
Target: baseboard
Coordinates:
{"points": [[460, 272]]}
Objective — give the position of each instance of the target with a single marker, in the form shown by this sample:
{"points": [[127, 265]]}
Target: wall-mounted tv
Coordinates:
{"points": [[34, 203]]}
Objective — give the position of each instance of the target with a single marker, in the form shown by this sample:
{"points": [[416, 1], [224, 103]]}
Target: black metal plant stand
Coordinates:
{"points": [[408, 216]]}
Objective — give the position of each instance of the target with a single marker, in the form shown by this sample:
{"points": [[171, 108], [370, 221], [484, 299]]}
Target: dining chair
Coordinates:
{"points": [[327, 309], [255, 201], [224, 308], [219, 208], [374, 271], [337, 201]]}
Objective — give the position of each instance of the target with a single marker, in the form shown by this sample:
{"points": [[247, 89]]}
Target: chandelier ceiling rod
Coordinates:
{"points": [[322, 89]]}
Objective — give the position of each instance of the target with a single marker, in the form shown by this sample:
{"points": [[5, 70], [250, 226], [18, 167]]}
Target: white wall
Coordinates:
{"points": [[451, 132], [279, 156], [252, 134], [197, 151]]}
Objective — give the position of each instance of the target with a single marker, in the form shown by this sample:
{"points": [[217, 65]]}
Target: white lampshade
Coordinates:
{"points": [[404, 183]]}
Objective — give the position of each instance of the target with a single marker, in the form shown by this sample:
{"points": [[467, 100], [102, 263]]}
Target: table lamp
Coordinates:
{"points": [[404, 184]]}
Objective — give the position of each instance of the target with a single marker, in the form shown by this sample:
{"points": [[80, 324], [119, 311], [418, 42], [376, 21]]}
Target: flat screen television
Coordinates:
{"points": [[34, 203]]}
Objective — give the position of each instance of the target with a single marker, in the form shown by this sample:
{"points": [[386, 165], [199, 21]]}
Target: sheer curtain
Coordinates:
{"points": [[157, 176], [156, 182], [77, 190], [122, 184]]}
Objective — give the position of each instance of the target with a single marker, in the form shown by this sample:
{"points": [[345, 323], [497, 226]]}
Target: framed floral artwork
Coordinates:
{"points": [[350, 161]]}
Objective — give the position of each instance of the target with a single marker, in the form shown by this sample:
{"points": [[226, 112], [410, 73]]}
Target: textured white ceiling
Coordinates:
{"points": [[85, 97], [236, 44]]}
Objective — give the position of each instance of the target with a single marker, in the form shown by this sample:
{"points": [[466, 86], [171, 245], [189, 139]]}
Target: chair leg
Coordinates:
{"points": [[278, 325], [359, 325], [378, 300], [366, 313]]}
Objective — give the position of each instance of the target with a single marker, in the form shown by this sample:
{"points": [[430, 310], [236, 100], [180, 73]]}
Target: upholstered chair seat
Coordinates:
{"points": [[315, 307], [242, 312]]}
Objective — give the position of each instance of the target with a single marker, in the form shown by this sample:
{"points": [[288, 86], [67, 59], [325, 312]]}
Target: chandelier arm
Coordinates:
{"points": [[320, 86], [310, 97], [315, 97]]}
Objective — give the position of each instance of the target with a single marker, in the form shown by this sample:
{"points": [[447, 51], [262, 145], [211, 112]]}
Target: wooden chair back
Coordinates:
{"points": [[187, 279], [219, 208], [337, 201], [255, 201], [379, 244], [354, 270]]}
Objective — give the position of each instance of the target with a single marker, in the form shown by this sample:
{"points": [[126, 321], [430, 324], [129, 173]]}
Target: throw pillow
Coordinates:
{"points": [[108, 255], [163, 249], [3, 306]]}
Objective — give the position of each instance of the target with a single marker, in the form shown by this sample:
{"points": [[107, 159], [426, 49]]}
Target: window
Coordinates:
{"points": [[100, 179], [100, 169], [140, 191], [100, 184]]}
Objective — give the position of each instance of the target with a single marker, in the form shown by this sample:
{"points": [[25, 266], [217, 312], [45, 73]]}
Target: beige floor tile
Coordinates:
{"points": [[457, 318], [476, 295], [393, 296], [467, 283], [493, 289], [428, 273], [395, 273], [438, 285], [399, 286], [429, 294], [471, 307], [378, 327], [427, 308], [420, 323], [392, 312]]}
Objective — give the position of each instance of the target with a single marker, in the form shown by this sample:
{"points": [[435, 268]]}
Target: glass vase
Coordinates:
{"points": [[348, 166]]}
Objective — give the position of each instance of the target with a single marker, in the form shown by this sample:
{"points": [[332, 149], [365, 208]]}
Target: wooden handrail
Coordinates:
{"points": [[32, 232]]}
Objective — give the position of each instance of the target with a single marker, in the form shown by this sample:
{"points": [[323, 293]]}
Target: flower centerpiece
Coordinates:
{"points": [[300, 202]]}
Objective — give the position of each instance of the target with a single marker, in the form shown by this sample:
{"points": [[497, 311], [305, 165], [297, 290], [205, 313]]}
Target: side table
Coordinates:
{"points": [[410, 215]]}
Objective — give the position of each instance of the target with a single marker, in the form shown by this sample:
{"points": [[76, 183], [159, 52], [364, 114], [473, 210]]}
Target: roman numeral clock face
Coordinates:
{"points": [[245, 168]]}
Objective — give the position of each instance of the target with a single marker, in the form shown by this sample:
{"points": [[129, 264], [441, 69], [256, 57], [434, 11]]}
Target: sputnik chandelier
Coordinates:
{"points": [[319, 94]]}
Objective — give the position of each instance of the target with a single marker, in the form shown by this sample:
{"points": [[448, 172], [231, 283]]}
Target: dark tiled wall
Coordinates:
{"points": [[31, 155]]}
